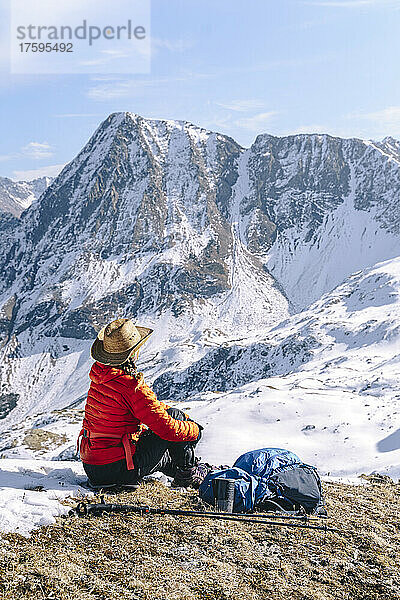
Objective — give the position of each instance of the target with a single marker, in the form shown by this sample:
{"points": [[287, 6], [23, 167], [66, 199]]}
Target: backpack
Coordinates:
{"points": [[270, 479]]}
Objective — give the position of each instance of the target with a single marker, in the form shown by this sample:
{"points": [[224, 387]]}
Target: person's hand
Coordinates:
{"points": [[200, 430], [198, 425]]}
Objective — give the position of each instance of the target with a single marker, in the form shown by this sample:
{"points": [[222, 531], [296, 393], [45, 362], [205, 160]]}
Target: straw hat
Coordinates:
{"points": [[116, 342]]}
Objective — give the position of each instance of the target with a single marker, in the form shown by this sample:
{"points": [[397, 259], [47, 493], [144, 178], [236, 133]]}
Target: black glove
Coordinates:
{"points": [[200, 430]]}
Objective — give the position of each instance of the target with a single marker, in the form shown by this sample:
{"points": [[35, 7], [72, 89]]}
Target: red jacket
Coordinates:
{"points": [[117, 407]]}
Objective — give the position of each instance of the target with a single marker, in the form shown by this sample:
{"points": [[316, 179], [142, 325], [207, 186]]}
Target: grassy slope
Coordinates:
{"points": [[175, 558]]}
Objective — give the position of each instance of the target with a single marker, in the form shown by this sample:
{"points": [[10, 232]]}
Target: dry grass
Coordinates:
{"points": [[40, 439], [120, 557]]}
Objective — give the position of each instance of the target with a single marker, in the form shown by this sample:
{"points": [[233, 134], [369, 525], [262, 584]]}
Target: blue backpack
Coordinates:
{"points": [[269, 477]]}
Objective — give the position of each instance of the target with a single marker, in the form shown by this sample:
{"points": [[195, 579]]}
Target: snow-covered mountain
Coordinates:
{"points": [[335, 206], [247, 262], [325, 381], [17, 196]]}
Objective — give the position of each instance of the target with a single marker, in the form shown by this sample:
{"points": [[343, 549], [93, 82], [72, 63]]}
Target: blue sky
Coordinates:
{"points": [[241, 68]]}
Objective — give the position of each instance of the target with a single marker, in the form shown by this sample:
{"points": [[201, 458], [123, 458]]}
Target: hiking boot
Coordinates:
{"points": [[192, 476]]}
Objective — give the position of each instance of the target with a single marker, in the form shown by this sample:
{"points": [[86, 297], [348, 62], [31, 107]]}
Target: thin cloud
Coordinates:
{"points": [[28, 175], [242, 105], [114, 89], [111, 89], [389, 115], [231, 125], [33, 150], [382, 122], [349, 3], [37, 150], [110, 56], [257, 122], [116, 53], [171, 45], [77, 115], [304, 25]]}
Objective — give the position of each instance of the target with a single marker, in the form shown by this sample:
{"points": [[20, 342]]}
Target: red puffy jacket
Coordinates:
{"points": [[117, 410]]}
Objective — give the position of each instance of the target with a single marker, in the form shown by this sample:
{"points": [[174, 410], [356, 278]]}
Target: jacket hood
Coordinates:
{"points": [[100, 373]]}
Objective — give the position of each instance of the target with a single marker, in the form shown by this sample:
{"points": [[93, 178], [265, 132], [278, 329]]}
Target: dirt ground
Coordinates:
{"points": [[154, 557]]}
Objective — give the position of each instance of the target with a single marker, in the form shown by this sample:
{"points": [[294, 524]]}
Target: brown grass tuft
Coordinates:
{"points": [[40, 439]]}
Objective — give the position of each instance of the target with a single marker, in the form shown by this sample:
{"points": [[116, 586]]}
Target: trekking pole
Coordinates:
{"points": [[83, 510], [257, 516]]}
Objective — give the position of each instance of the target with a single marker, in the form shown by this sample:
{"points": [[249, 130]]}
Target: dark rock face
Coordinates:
{"points": [[297, 180], [84, 322], [228, 154], [8, 227], [377, 187], [7, 403], [226, 368], [76, 324]]}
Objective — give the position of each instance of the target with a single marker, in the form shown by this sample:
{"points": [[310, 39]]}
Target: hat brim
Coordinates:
{"points": [[112, 358]]}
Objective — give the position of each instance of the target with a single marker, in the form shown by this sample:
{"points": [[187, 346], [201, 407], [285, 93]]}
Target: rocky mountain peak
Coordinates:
{"points": [[17, 196]]}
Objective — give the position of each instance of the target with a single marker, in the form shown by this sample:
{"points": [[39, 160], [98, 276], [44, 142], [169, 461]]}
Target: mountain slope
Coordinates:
{"points": [[324, 382], [17, 196]]}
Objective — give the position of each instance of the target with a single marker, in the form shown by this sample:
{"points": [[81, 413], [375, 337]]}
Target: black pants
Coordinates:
{"points": [[152, 454]]}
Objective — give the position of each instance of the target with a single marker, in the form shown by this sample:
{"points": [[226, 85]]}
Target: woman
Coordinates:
{"points": [[127, 433]]}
